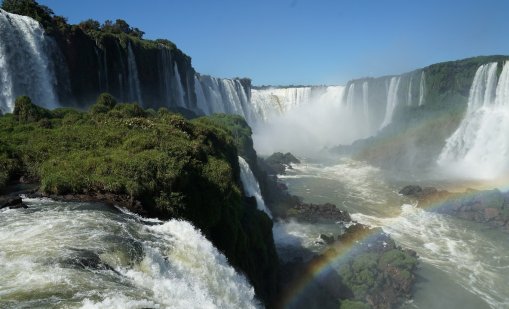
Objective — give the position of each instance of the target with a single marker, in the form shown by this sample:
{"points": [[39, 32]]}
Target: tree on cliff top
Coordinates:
{"points": [[43, 14], [121, 26]]}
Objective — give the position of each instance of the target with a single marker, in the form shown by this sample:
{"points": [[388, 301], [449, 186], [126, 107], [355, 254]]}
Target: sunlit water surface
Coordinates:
{"points": [[463, 264]]}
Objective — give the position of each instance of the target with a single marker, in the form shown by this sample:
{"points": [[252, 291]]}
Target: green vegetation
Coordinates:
{"points": [[25, 111], [176, 168], [54, 24], [371, 273], [351, 304], [41, 13]]}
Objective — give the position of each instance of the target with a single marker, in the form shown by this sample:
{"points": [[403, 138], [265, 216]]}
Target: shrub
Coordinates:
{"points": [[105, 102], [25, 111], [127, 110]]}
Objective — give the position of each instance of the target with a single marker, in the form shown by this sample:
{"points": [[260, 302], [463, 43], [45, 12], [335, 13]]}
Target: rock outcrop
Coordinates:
{"points": [[489, 207]]}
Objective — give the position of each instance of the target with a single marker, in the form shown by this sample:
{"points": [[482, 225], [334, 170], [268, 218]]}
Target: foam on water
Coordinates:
{"points": [[93, 256], [459, 248], [362, 181]]}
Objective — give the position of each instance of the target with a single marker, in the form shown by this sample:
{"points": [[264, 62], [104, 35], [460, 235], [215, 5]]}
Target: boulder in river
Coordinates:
{"points": [[488, 206], [11, 202]]}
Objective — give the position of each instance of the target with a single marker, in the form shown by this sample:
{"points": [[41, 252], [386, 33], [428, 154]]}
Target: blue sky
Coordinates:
{"points": [[283, 42]]}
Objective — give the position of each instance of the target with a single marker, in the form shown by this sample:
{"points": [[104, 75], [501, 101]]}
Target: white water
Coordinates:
{"points": [[392, 101], [221, 95], [251, 186], [25, 67], [273, 102], [365, 106], [72, 255], [181, 101], [332, 116], [409, 95], [479, 148], [422, 88], [133, 78], [463, 264], [475, 261]]}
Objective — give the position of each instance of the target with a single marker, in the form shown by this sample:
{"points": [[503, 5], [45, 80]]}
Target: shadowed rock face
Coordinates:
{"points": [[11, 202], [111, 63], [490, 207]]}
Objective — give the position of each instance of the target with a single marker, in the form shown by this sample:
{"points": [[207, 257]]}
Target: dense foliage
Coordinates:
{"points": [[43, 14], [174, 167]]}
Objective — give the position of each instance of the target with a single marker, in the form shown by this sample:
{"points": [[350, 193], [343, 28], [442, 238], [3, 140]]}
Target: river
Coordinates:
{"points": [[463, 264]]}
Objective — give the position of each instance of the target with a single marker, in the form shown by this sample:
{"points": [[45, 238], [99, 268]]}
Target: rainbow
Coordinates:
{"points": [[344, 250], [338, 253]]}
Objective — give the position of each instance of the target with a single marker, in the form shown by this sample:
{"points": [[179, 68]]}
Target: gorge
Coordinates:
{"points": [[147, 183]]}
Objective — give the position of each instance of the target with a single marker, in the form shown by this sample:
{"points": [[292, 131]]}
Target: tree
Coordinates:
{"points": [[31, 8], [122, 26], [89, 25]]}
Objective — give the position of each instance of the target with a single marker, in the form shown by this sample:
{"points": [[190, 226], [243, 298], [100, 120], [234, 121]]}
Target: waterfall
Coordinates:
{"points": [[479, 147], [350, 98], [365, 106], [251, 186], [392, 101], [271, 103], [221, 95], [409, 95], [90, 256], [133, 78], [422, 88], [103, 69], [164, 74], [181, 101], [25, 67]]}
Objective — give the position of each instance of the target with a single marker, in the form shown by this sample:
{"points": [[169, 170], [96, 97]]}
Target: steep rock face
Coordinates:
{"points": [[132, 70]]}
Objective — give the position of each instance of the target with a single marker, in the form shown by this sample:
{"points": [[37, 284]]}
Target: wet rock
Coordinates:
{"points": [[318, 213], [410, 190], [84, 259], [327, 239], [489, 206], [11, 202], [277, 163]]}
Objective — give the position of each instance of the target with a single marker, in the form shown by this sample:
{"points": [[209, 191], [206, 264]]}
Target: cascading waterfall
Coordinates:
{"points": [[181, 101], [350, 98], [365, 100], [103, 69], [409, 95], [60, 254], [220, 95], [422, 88], [25, 67], [275, 102], [165, 73], [251, 186], [392, 101], [133, 78], [479, 148]]}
